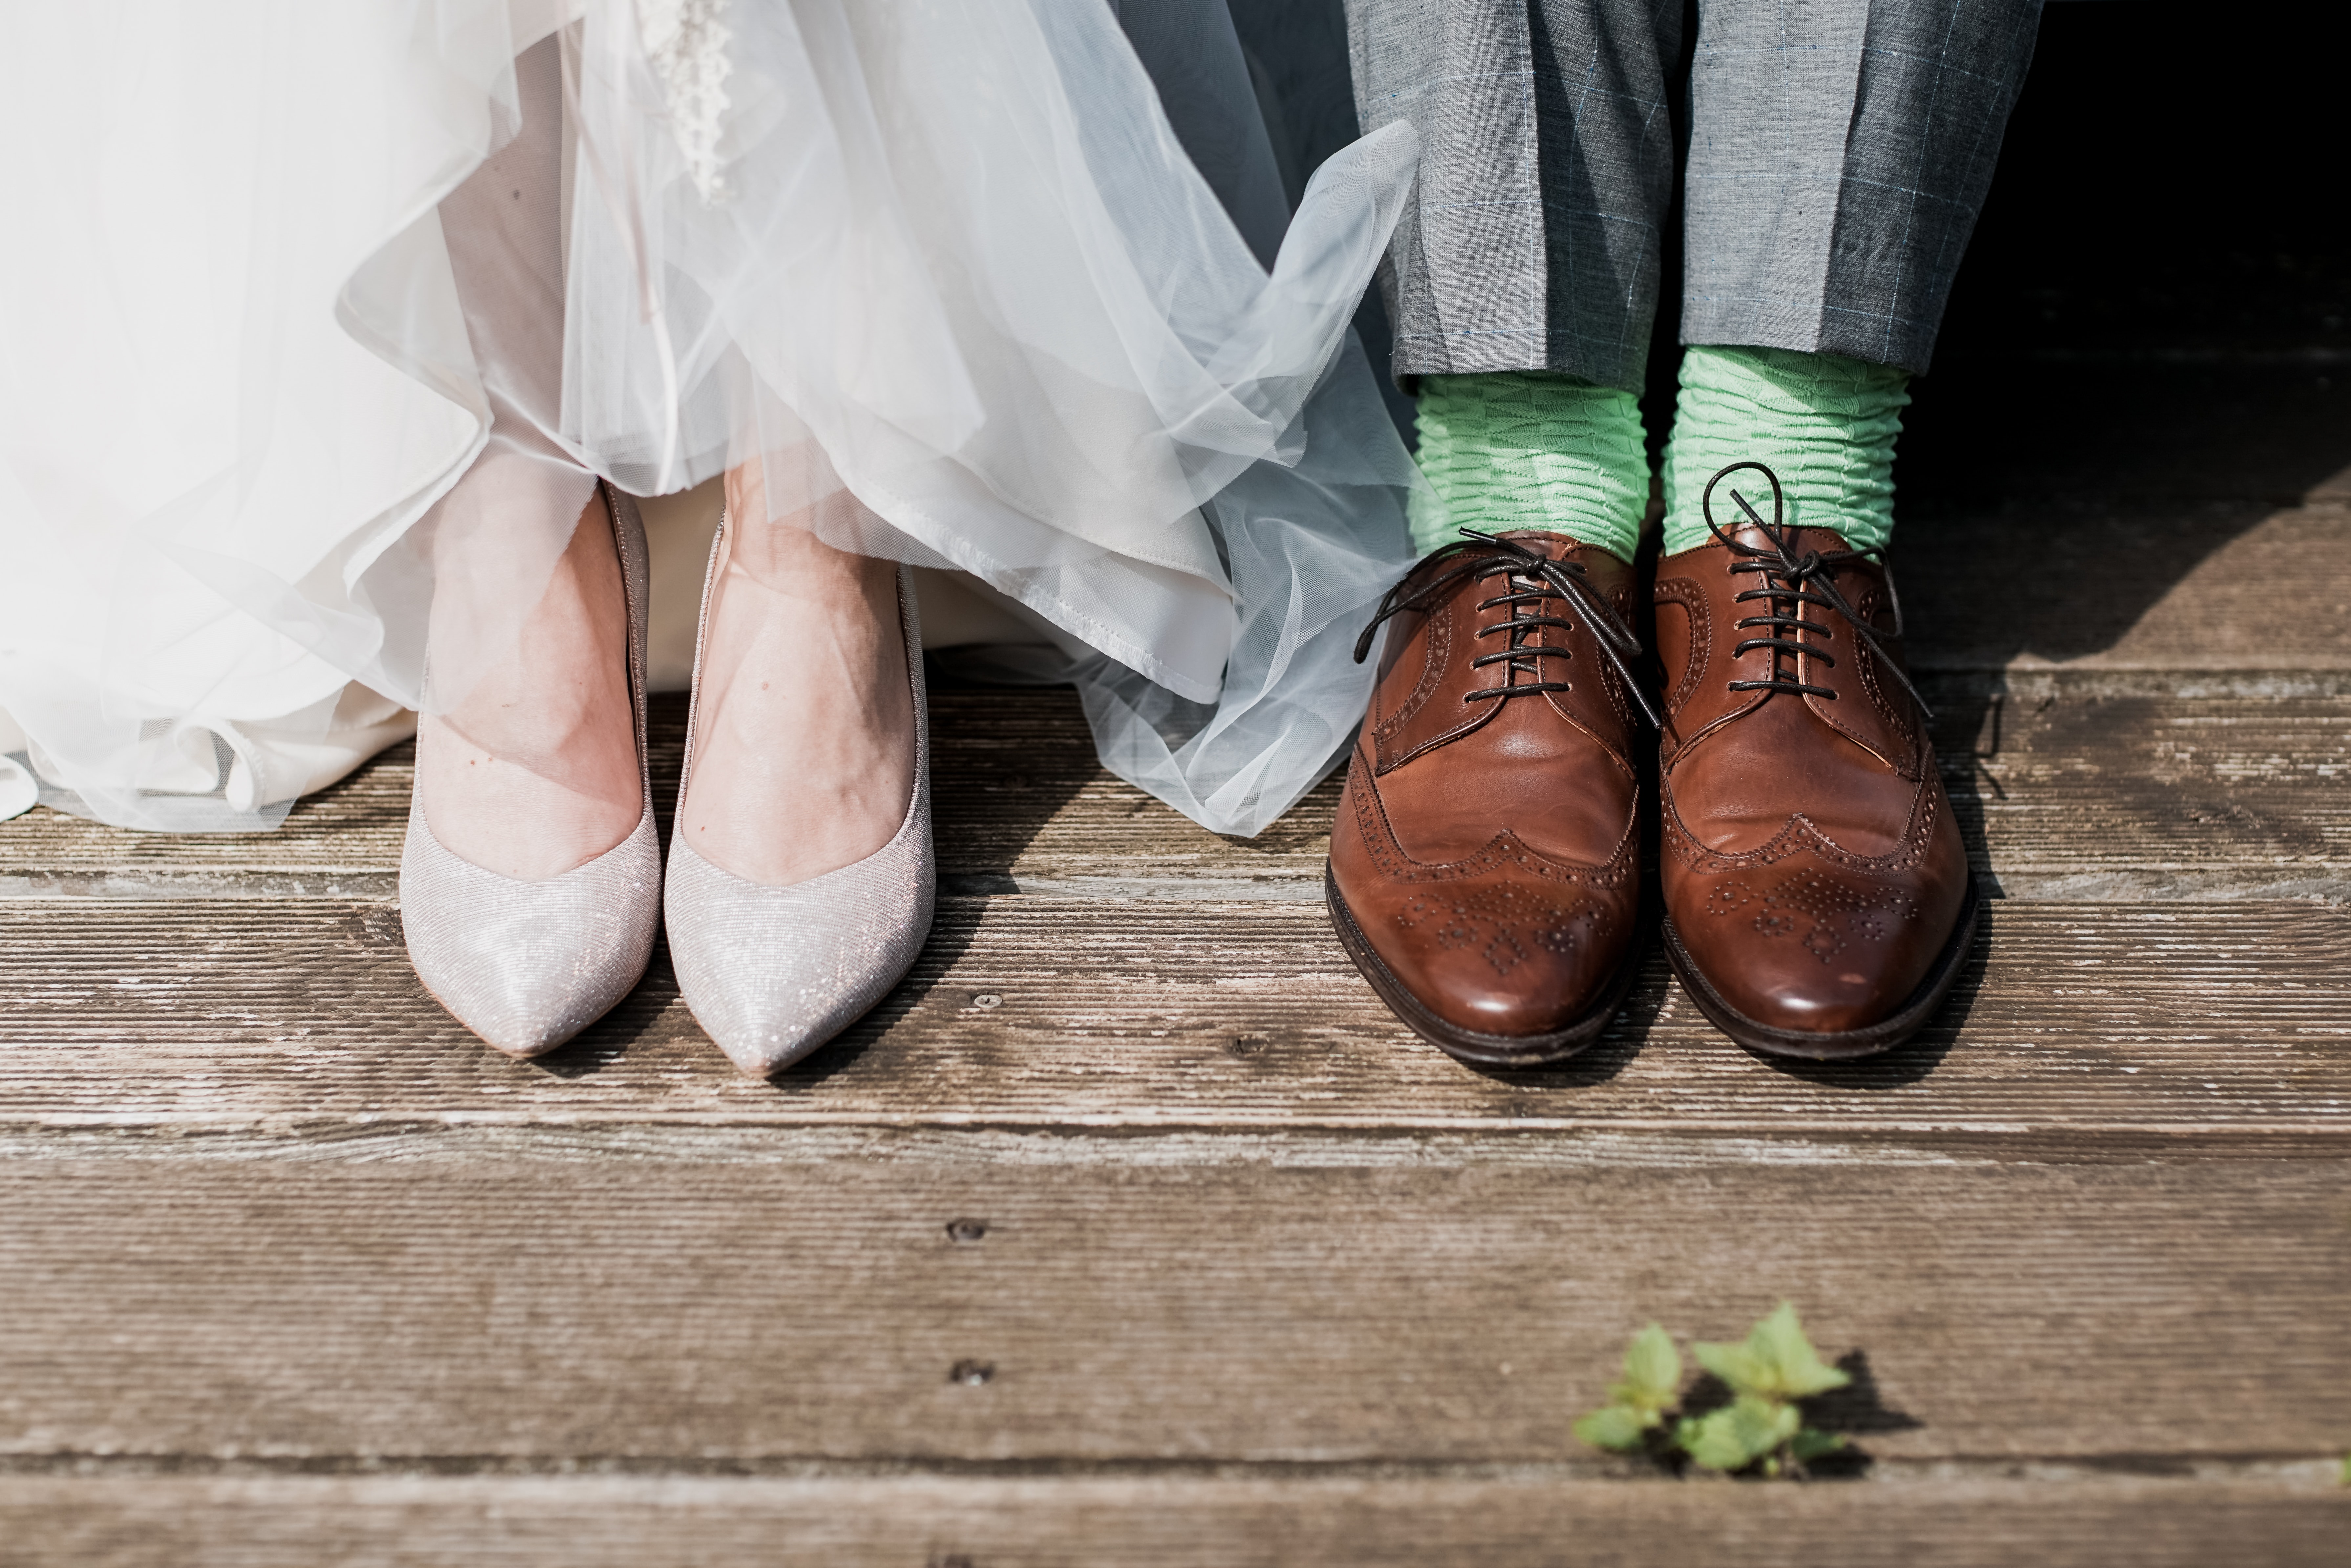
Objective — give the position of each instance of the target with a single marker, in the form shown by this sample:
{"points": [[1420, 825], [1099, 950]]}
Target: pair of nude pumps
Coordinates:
{"points": [[771, 973]]}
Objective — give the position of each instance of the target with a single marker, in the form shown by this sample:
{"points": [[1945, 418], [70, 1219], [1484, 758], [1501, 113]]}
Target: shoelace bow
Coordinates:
{"points": [[1536, 580], [1792, 582]]}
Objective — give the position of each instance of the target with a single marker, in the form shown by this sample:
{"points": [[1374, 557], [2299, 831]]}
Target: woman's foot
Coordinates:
{"points": [[804, 726], [808, 739], [535, 772]]}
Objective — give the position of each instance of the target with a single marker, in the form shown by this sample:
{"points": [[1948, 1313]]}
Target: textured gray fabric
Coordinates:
{"points": [[772, 973], [527, 965], [1840, 150], [1546, 163]]}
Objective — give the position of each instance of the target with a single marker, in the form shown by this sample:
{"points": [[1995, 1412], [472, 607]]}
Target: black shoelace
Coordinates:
{"points": [[1532, 583], [1792, 582]]}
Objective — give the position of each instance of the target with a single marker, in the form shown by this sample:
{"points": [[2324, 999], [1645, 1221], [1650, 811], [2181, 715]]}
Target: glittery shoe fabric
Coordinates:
{"points": [[772, 973], [527, 965]]}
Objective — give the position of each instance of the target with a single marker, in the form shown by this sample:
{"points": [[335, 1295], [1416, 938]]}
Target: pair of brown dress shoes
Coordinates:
{"points": [[1485, 867]]}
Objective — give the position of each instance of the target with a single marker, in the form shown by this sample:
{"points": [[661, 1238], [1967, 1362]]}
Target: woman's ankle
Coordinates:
{"points": [[534, 770], [803, 747]]}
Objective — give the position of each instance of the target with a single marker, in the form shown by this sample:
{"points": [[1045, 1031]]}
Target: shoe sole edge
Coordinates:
{"points": [[1471, 1046], [1925, 1001]]}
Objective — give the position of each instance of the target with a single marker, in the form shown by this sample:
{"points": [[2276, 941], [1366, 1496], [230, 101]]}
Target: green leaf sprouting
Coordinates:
{"points": [[1653, 1373], [1776, 1363], [1760, 1429], [1750, 1427], [1653, 1379], [1614, 1428]]}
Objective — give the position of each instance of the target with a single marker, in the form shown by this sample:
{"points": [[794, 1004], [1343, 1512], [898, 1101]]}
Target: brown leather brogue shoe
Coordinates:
{"points": [[1818, 899], [1485, 867]]}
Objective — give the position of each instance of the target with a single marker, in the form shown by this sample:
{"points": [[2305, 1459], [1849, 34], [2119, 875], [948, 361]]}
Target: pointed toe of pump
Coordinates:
{"points": [[527, 965], [772, 973]]}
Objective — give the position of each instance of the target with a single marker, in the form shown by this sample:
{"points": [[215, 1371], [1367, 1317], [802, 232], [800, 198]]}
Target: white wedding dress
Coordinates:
{"points": [[984, 295]]}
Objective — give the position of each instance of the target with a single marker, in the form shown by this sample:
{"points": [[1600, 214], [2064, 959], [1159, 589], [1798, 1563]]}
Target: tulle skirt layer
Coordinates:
{"points": [[337, 314]]}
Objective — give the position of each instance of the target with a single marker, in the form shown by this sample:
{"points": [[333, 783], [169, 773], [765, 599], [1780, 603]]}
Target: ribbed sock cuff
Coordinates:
{"points": [[1825, 425], [1528, 449]]}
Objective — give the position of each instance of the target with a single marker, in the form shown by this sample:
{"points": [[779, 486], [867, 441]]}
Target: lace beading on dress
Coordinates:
{"points": [[686, 41]]}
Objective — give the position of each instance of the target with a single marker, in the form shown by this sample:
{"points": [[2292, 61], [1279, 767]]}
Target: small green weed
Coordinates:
{"points": [[1760, 1429]]}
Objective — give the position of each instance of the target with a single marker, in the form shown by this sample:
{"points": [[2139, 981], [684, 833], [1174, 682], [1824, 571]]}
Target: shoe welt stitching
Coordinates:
{"points": [[1504, 851], [1801, 834]]}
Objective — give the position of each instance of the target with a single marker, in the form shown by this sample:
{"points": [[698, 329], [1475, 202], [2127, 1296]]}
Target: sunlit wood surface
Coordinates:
{"points": [[1132, 1230]]}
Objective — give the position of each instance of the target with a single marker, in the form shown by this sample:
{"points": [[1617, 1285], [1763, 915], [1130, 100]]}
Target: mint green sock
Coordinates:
{"points": [[1825, 425], [1530, 449]]}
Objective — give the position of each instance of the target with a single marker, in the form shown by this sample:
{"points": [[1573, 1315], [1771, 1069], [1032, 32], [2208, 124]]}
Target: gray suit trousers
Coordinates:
{"points": [[1839, 151]]}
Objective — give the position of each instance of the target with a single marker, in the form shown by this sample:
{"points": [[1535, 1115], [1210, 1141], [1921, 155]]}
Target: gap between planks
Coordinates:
{"points": [[1295, 1145], [596, 1522]]}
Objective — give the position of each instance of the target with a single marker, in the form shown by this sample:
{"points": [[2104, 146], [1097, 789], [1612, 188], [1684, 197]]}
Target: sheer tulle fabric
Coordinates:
{"points": [[239, 376], [951, 271]]}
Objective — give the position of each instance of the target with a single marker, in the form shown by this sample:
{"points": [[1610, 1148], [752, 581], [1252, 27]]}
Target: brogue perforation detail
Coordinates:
{"points": [[1692, 599], [1506, 853], [1612, 683], [1801, 835], [1899, 715], [1540, 593], [1830, 913], [1511, 919], [1436, 648], [1792, 583]]}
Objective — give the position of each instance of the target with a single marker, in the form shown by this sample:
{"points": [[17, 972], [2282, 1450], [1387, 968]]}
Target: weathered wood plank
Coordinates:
{"points": [[2067, 785], [2160, 1017], [2066, 790], [303, 1308], [2223, 585], [637, 1522], [342, 843]]}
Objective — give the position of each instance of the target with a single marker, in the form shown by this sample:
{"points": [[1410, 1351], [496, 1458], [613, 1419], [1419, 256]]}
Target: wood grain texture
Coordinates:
{"points": [[2066, 790], [2092, 584], [2067, 785], [294, 1272], [2166, 1019], [629, 1521], [299, 1309]]}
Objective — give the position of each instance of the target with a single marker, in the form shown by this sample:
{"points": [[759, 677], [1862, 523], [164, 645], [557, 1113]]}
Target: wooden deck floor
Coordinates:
{"points": [[1132, 1230]]}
